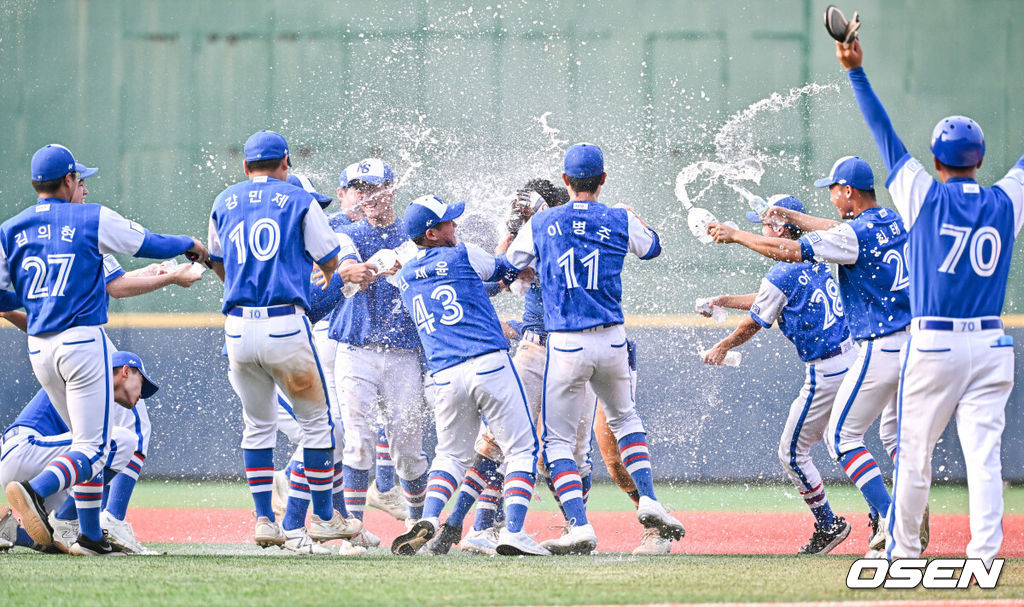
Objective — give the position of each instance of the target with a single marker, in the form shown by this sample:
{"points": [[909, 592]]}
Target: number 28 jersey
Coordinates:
{"points": [[442, 287], [804, 299], [268, 233]]}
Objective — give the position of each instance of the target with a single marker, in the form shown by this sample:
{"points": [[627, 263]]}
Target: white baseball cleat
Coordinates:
{"points": [[364, 539], [279, 494], [338, 528], [484, 541], [580, 539], [268, 533], [298, 541], [8, 528], [519, 544], [121, 533], [65, 533], [347, 548], [392, 502], [877, 541], [651, 513], [651, 543]]}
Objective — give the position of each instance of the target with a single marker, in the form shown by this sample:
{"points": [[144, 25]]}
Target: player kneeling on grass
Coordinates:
{"points": [[39, 436], [804, 299], [467, 354]]}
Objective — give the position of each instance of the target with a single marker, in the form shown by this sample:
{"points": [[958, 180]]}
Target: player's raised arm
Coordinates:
{"points": [[747, 329], [779, 249], [735, 302], [643, 240], [116, 234], [1013, 185]]}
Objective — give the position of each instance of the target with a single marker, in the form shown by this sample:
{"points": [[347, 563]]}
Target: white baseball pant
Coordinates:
{"points": [[487, 386], [530, 360], [267, 351], [25, 453], [136, 420], [326, 349], [868, 391], [369, 379], [808, 418], [967, 374], [597, 356], [74, 368]]}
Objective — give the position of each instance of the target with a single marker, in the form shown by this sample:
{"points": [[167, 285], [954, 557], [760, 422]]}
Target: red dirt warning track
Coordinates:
{"points": [[706, 532]]}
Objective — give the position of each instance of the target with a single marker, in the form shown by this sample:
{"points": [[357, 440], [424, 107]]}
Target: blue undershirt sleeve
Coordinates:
{"points": [[163, 246], [889, 143]]}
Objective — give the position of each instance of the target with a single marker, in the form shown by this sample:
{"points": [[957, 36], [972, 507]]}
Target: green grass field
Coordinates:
{"points": [[215, 574]]}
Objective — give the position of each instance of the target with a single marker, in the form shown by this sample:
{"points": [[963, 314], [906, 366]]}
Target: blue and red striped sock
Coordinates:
{"points": [[122, 487], [415, 493], [63, 472], [88, 499], [518, 492], [472, 487], [319, 467], [587, 482], [861, 467], [259, 470], [298, 498], [338, 492], [385, 476], [356, 483], [487, 506], [636, 457], [67, 511], [440, 487], [569, 489], [818, 503]]}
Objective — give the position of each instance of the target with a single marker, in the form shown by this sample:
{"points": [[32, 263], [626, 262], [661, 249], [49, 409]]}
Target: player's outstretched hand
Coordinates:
{"points": [[850, 57], [707, 311], [198, 253], [361, 273], [722, 233], [186, 275], [716, 355], [318, 278]]}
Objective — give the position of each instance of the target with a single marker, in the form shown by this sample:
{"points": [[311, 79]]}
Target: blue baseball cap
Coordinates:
{"points": [[265, 145], [54, 161], [780, 200], [427, 211], [849, 170], [301, 181], [584, 160], [373, 171], [121, 358]]}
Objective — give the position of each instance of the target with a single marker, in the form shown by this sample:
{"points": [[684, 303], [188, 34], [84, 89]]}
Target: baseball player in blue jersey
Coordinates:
{"points": [[265, 236], [377, 365], [958, 362], [804, 299], [870, 250], [52, 254], [474, 379], [579, 249], [39, 436], [350, 198]]}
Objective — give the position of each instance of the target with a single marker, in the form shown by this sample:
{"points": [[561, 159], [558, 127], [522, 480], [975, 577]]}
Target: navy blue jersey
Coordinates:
{"points": [[804, 299], [52, 254], [961, 234], [40, 415], [338, 220], [871, 251], [443, 289], [374, 316], [579, 249], [268, 233]]}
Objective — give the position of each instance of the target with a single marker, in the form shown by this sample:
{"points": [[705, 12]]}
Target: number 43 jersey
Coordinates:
{"points": [[804, 299], [579, 249], [442, 287], [268, 233]]}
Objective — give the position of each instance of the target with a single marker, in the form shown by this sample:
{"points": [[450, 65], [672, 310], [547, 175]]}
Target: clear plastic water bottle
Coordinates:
{"points": [[703, 306], [759, 205], [732, 358]]}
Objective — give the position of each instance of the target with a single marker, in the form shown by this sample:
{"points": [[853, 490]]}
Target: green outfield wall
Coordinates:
{"points": [[468, 99]]}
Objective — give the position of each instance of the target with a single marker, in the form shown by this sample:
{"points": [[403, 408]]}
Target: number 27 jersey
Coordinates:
{"points": [[268, 233]]}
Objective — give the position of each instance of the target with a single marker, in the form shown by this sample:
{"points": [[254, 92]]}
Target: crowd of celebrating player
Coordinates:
{"points": [[339, 328]]}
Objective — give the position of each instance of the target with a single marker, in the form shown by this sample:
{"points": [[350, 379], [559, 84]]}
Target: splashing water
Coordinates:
{"points": [[737, 157]]}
